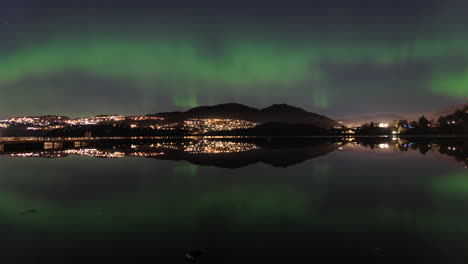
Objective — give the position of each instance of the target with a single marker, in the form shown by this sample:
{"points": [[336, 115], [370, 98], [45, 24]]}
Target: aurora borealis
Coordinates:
{"points": [[136, 57]]}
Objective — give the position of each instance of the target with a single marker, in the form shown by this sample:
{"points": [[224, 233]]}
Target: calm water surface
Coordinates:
{"points": [[321, 202]]}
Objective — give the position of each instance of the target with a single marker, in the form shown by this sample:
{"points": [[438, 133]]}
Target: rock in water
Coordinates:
{"points": [[193, 255]]}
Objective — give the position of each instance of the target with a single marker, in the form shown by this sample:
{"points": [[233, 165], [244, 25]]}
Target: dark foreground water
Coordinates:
{"points": [[236, 201]]}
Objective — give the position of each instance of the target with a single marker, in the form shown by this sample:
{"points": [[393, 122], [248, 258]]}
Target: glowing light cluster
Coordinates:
{"points": [[200, 126], [166, 126], [48, 127], [216, 147], [95, 153], [145, 118], [93, 120], [35, 123], [46, 154], [166, 145], [55, 122], [145, 154], [384, 146]]}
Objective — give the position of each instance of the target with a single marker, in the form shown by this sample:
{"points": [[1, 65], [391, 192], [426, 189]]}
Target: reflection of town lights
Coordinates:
{"points": [[95, 153], [394, 138], [384, 146], [145, 154], [213, 147]]}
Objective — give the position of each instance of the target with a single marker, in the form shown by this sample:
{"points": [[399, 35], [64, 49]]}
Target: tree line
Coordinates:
{"points": [[452, 124]]}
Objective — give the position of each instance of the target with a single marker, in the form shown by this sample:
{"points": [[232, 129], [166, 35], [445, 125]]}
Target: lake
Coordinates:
{"points": [[259, 200]]}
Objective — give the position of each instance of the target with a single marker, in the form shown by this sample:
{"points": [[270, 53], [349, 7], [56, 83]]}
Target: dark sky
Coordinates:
{"points": [[338, 57]]}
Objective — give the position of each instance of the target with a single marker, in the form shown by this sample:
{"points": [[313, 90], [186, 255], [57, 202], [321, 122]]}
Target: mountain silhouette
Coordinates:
{"points": [[277, 113]]}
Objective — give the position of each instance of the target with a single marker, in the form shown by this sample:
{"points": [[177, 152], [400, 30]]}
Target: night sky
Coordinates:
{"points": [[337, 57]]}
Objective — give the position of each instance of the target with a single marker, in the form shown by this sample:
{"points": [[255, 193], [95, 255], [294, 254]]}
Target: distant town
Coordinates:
{"points": [[228, 119], [193, 126]]}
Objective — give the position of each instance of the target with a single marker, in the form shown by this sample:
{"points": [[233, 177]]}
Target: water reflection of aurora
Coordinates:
{"points": [[187, 204]]}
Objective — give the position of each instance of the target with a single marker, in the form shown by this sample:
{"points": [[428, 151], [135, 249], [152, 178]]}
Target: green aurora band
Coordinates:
{"points": [[181, 62]]}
